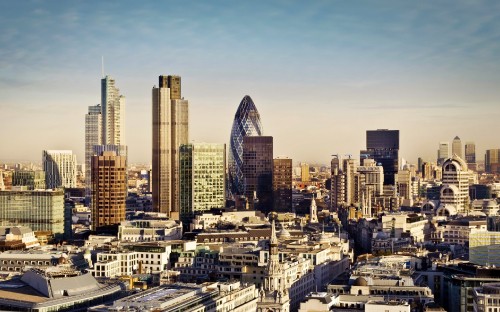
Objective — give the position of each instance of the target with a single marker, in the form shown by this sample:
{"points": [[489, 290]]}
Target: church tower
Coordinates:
{"points": [[313, 211]]}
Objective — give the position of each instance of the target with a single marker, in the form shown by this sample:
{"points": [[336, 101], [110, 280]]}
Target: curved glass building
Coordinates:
{"points": [[246, 123]]}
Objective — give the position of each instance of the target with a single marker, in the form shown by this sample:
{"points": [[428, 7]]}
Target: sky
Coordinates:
{"points": [[321, 73]]}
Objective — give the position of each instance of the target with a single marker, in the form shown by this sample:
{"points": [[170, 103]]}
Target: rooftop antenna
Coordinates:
{"points": [[102, 66]]}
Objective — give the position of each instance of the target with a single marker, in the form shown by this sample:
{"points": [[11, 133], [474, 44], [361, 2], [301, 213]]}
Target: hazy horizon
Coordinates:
{"points": [[320, 73]]}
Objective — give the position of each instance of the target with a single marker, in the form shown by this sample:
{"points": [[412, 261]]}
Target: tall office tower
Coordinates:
{"points": [[338, 183], [492, 161], [258, 172], [304, 172], [33, 179], [109, 190], [170, 130], [455, 187], [470, 153], [282, 184], [93, 136], [456, 147], [443, 152], [420, 162], [349, 168], [383, 146], [113, 113], [202, 177], [246, 123], [403, 184], [41, 210], [60, 168], [371, 179]]}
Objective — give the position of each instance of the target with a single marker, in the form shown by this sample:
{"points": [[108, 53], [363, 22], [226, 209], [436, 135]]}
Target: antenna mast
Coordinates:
{"points": [[102, 66]]}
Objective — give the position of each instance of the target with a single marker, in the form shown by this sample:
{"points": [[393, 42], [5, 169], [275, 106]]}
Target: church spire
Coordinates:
{"points": [[313, 211]]}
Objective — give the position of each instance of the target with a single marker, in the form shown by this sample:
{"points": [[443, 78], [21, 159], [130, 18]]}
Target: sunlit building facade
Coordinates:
{"points": [[60, 168]]}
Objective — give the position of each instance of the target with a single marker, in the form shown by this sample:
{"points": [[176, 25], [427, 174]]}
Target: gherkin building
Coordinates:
{"points": [[246, 123]]}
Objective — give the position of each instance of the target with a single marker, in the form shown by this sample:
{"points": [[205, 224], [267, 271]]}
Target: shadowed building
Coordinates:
{"points": [[383, 146], [258, 171], [282, 184]]}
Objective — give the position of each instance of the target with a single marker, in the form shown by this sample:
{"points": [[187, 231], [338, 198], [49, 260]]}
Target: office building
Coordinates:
{"points": [[492, 161], [304, 172], [455, 187], [383, 146], [113, 113], [93, 136], [109, 191], [60, 169], [170, 130], [282, 184], [32, 179], [456, 147], [258, 171], [443, 152], [338, 183], [470, 155], [202, 177], [40, 210], [246, 123]]}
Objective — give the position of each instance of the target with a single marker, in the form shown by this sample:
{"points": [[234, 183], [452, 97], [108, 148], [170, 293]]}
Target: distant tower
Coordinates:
{"points": [[246, 123], [456, 147], [282, 184], [443, 152], [470, 155], [304, 172], [60, 168], [109, 190], [383, 146], [113, 113], [170, 130], [313, 211], [93, 136]]}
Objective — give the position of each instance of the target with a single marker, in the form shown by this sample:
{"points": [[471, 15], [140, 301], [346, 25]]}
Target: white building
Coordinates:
{"points": [[60, 168], [456, 179], [113, 113], [149, 230]]}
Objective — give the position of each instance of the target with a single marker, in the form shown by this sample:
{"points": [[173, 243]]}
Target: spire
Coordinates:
{"points": [[313, 211], [274, 238]]}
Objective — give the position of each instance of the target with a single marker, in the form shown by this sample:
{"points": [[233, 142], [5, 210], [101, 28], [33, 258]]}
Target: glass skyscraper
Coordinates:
{"points": [[383, 146], [246, 123]]}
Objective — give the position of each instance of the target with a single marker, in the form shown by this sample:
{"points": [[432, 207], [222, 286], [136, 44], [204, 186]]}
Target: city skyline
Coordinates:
{"points": [[330, 71]]}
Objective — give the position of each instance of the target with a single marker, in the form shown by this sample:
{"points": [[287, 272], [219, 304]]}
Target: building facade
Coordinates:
{"points": [[109, 190], [470, 155], [246, 123], [202, 176], [33, 179], [60, 168], [492, 161], [282, 184], [93, 136], [258, 171], [113, 113], [456, 147], [40, 210], [170, 130], [443, 152], [383, 146]]}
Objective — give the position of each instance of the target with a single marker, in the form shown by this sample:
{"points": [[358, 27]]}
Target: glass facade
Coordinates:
{"points": [[246, 123], [202, 178], [39, 210]]}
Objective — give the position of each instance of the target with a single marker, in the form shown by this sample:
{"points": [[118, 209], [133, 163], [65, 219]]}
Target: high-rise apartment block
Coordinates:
{"points": [[113, 113], [282, 184], [492, 161], [443, 152], [456, 147], [170, 130], [109, 190], [304, 172], [40, 210], [258, 171], [202, 177], [33, 179], [246, 123], [60, 168], [93, 136], [383, 146]]}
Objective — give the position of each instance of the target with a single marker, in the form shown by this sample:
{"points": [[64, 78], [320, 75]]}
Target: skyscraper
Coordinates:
{"points": [[60, 168], [282, 184], [470, 155], [383, 146], [456, 147], [93, 136], [202, 177], [304, 172], [170, 130], [443, 152], [492, 161], [109, 190], [258, 171], [246, 123], [113, 113]]}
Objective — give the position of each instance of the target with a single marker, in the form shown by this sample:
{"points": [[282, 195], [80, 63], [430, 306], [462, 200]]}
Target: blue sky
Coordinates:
{"points": [[320, 72]]}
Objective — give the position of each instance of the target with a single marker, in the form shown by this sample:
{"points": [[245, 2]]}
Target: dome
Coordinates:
{"points": [[284, 233], [360, 282], [381, 235]]}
